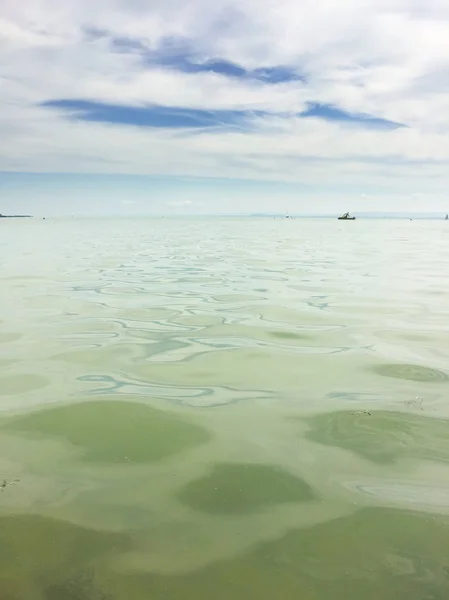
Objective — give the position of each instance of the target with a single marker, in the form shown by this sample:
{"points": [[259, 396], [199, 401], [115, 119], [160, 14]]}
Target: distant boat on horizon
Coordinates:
{"points": [[346, 217], [446, 217]]}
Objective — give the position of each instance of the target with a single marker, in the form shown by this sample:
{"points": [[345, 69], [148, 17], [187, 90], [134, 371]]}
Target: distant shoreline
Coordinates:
{"points": [[16, 217], [359, 215]]}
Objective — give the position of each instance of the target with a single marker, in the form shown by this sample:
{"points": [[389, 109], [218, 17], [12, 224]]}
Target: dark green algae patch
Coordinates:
{"points": [[383, 436], [372, 554], [409, 372], [112, 432], [243, 488], [48, 559]]}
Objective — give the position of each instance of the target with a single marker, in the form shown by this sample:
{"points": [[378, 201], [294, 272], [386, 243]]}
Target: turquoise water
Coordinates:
{"points": [[232, 408]]}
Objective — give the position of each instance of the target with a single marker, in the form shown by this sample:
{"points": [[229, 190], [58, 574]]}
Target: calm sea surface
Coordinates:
{"points": [[226, 409]]}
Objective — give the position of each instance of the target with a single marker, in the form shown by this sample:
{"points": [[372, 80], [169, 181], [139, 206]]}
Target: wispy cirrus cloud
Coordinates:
{"points": [[301, 92], [163, 117], [172, 117], [182, 56], [331, 113]]}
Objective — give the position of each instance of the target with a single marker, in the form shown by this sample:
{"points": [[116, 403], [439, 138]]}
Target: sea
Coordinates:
{"points": [[224, 408]]}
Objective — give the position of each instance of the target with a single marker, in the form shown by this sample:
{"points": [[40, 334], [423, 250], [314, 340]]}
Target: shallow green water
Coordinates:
{"points": [[248, 409]]}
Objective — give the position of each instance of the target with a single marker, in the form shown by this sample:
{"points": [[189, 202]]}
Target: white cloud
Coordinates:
{"points": [[387, 59]]}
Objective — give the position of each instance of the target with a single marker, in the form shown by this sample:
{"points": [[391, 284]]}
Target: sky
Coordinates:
{"points": [[248, 106]]}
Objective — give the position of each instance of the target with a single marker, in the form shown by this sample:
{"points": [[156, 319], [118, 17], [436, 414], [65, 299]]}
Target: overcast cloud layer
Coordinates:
{"points": [[347, 93]]}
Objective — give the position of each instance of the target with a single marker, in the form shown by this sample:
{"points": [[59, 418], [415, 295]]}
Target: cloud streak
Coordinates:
{"points": [[172, 117], [164, 117]]}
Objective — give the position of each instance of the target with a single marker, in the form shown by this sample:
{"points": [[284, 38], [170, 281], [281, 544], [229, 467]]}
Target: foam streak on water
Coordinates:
{"points": [[229, 407]]}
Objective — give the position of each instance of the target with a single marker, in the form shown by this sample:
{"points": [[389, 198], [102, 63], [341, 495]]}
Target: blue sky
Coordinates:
{"points": [[253, 106]]}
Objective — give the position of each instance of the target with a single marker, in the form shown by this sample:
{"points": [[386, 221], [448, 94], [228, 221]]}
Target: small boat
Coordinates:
{"points": [[346, 217], [446, 217]]}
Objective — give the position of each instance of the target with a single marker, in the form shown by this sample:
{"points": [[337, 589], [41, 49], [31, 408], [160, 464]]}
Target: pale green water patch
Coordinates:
{"points": [[21, 384], [383, 436], [112, 354], [8, 337], [198, 321], [7, 362], [253, 333], [259, 369], [114, 432], [235, 489], [237, 298], [302, 317], [147, 315]]}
